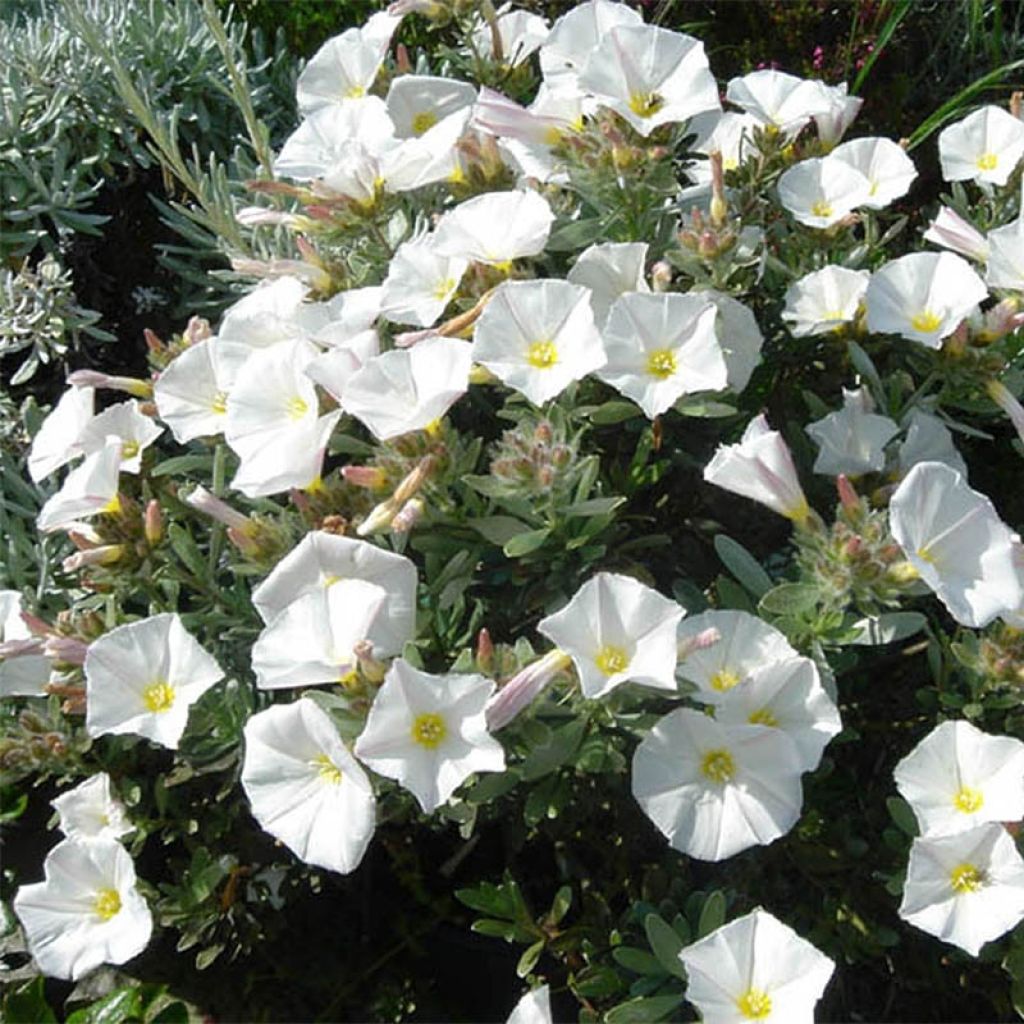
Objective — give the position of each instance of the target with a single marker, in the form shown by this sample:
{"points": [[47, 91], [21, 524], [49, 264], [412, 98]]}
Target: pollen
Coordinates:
{"points": [[219, 405], [444, 288], [645, 104], [754, 1004], [724, 680], [158, 697], [542, 355], [106, 904], [821, 208], [968, 800], [423, 120], [429, 730], [355, 92], [718, 766], [112, 507], [987, 162], [926, 321], [763, 717], [611, 659], [661, 363], [296, 407], [326, 769], [729, 164], [966, 878]]}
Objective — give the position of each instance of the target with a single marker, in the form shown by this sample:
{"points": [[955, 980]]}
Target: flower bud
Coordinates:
{"points": [[701, 642], [661, 276], [524, 688], [848, 496], [153, 522], [484, 650], [106, 554], [95, 379], [408, 516], [1004, 398]]}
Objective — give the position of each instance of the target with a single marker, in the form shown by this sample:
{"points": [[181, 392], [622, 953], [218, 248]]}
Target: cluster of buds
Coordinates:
{"points": [[161, 352], [261, 541], [712, 236], [534, 459], [122, 536], [404, 507], [35, 743], [1000, 656]]}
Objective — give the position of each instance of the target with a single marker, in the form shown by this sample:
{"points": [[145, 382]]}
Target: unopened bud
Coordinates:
{"points": [[700, 642], [197, 330], [1015, 104], [484, 650], [848, 496], [524, 688], [153, 522], [95, 379], [371, 668], [153, 342], [719, 209], [106, 554], [67, 649], [370, 477], [1004, 398], [408, 516], [661, 276], [204, 501]]}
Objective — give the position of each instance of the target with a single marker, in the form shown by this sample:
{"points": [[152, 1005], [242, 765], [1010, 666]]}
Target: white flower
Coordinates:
{"points": [[888, 169], [429, 732], [755, 968], [617, 630], [739, 337], [824, 300], [88, 490], [91, 811], [87, 911], [728, 133], [609, 270], [985, 146], [24, 670], [313, 639], [538, 336], [820, 192], [955, 539], [779, 101], [922, 296], [524, 688], [928, 439], [57, 441], [1006, 257], [191, 392], [761, 468], [417, 102], [853, 440], [305, 788], [951, 231], [335, 368], [143, 677], [661, 347], [785, 695], [745, 645], [320, 560], [533, 1008], [548, 119], [958, 777], [344, 67], [420, 283], [650, 76], [427, 158], [521, 34], [408, 389], [124, 421], [495, 227], [267, 315], [966, 888], [714, 790], [842, 111]]}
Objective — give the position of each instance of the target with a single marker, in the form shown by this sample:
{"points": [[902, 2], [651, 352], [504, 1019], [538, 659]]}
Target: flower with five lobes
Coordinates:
{"points": [[420, 283], [779, 102], [88, 490], [713, 789], [305, 788], [821, 191], [538, 337], [922, 296], [87, 912], [617, 630], [761, 468], [429, 732], [143, 677], [885, 165], [958, 777], [966, 888], [985, 146], [495, 228], [91, 811], [824, 300], [755, 968], [954, 538], [125, 422], [661, 347], [852, 440]]}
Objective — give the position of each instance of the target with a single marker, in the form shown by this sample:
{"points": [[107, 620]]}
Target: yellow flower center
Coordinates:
{"points": [[754, 1004], [219, 405], [661, 363], [987, 162], [107, 904], [718, 766], [611, 659], [326, 769], [821, 208], [296, 407], [834, 314], [112, 507], [968, 800], [925, 554], [129, 449], [542, 355], [646, 104], [355, 92], [724, 680], [763, 717], [444, 288], [457, 176], [966, 878], [729, 164], [423, 120], [158, 697], [553, 136], [428, 729], [926, 321]]}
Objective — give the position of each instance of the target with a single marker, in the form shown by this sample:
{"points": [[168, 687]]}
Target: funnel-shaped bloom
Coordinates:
{"points": [[429, 732], [420, 283], [617, 629], [885, 165], [661, 347], [91, 811], [1006, 257], [824, 300], [143, 677], [779, 101], [952, 232], [125, 422], [521, 34], [417, 102], [842, 111], [496, 227], [760, 467], [57, 441], [610, 270], [820, 192], [853, 440], [88, 490], [755, 968], [87, 912], [922, 296], [305, 788], [928, 439], [714, 790], [533, 1008], [985, 146]]}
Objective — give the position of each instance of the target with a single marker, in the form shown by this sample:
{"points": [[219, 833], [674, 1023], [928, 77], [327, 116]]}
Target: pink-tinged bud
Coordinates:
{"points": [[956, 343], [197, 330], [719, 209], [153, 342], [370, 477], [524, 688], [1015, 104], [408, 516], [402, 62], [1004, 398], [153, 522], [848, 496], [707, 244], [484, 650], [106, 554], [661, 276], [36, 625], [67, 649], [380, 518], [83, 541], [853, 547], [313, 276], [952, 232], [1000, 320], [21, 648], [203, 501], [299, 499], [372, 669], [95, 379], [701, 642], [411, 484], [409, 338], [242, 538]]}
